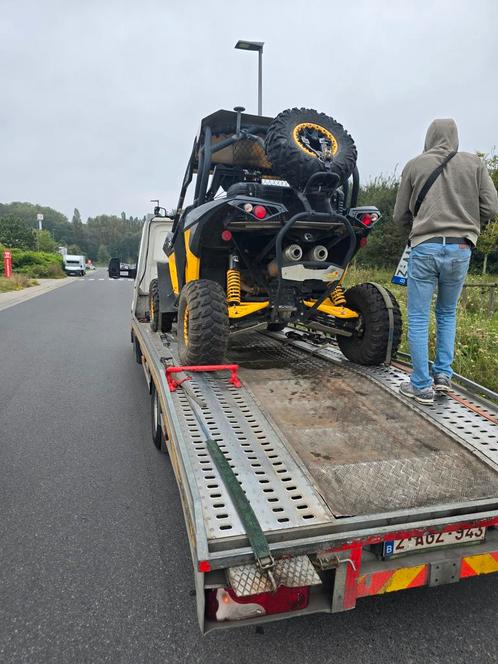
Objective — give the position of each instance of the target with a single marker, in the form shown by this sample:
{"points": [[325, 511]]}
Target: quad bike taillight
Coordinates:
{"points": [[259, 211], [368, 219], [366, 216]]}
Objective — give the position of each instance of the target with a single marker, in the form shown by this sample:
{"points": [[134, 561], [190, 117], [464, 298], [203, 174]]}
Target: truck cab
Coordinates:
{"points": [[74, 265]]}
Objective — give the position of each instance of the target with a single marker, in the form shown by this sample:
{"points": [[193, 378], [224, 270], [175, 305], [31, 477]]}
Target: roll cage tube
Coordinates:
{"points": [[187, 179]]}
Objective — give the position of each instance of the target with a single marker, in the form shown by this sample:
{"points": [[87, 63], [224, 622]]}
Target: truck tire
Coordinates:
{"points": [[203, 325], [368, 345], [138, 351], [155, 420], [294, 159], [161, 322]]}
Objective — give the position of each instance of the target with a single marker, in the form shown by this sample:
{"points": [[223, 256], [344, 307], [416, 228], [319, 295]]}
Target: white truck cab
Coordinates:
{"points": [[74, 264]]}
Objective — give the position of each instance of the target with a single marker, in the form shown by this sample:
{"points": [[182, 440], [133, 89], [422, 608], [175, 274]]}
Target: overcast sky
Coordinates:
{"points": [[100, 100]]}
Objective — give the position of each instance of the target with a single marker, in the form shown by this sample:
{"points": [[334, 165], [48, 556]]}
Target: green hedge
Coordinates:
{"points": [[36, 264]]}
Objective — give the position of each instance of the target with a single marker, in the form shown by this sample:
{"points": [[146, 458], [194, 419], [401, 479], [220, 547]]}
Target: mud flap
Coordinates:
{"points": [[167, 298]]}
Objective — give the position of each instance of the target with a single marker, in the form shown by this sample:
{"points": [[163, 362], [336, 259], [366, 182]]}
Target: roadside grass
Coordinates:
{"points": [[476, 348], [16, 282]]}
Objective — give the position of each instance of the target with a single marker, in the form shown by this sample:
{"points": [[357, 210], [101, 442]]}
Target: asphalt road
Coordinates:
{"points": [[94, 560]]}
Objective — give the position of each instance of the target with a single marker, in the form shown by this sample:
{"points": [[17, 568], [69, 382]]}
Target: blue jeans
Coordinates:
{"points": [[431, 265]]}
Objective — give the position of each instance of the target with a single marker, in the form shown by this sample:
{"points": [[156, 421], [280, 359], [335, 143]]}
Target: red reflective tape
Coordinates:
{"points": [[372, 584], [421, 578], [466, 570]]}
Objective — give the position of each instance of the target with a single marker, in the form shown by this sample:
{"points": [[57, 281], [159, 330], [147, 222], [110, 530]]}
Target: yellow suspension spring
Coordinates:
{"points": [[233, 286], [337, 296]]}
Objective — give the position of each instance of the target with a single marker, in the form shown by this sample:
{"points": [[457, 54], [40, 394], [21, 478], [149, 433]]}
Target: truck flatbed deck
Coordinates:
{"points": [[326, 452], [356, 489]]}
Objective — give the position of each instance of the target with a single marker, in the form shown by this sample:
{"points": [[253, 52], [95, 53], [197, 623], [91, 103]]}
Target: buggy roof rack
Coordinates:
{"points": [[225, 122]]}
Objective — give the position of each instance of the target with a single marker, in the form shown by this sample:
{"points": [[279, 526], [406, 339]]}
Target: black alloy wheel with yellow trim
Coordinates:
{"points": [[301, 142], [203, 325]]}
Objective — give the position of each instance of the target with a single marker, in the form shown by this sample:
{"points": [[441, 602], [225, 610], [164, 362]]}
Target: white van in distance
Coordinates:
{"points": [[74, 264]]}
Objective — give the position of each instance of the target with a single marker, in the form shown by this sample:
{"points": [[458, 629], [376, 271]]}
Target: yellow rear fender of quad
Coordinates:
{"points": [[173, 273], [193, 263]]}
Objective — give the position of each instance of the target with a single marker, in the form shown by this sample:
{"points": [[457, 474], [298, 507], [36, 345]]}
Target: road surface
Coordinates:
{"points": [[94, 560]]}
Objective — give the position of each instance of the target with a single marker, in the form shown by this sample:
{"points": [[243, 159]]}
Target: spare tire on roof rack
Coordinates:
{"points": [[301, 142]]}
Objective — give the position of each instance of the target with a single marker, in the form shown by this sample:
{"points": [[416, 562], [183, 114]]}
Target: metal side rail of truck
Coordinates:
{"points": [[308, 482]]}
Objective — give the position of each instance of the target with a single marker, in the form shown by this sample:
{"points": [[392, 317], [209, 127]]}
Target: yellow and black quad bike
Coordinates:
{"points": [[267, 240]]}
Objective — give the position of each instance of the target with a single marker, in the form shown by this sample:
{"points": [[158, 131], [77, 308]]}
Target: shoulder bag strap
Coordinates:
{"points": [[430, 181]]}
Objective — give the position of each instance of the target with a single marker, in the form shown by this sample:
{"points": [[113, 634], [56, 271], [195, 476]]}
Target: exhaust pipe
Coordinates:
{"points": [[293, 252], [318, 253]]}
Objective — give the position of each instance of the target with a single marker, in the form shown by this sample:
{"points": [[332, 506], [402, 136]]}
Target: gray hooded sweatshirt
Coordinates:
{"points": [[460, 200]]}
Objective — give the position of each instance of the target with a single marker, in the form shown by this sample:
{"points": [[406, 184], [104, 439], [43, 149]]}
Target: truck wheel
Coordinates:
{"points": [[368, 345], [155, 414], [138, 352], [203, 326], [294, 143], [158, 321]]}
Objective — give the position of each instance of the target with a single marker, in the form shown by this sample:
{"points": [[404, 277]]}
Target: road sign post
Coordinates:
{"points": [[7, 264]]}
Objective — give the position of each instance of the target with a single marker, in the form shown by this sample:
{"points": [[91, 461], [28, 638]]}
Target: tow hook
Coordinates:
{"points": [[327, 561]]}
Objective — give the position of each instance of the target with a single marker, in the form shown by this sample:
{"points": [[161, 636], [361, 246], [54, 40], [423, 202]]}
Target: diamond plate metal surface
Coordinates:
{"points": [[476, 432], [367, 452], [290, 572], [396, 484]]}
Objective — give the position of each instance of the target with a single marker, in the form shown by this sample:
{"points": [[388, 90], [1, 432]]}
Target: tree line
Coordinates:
{"points": [[98, 238], [110, 235]]}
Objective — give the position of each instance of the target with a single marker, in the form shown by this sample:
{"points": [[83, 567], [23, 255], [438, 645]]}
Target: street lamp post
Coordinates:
{"points": [[244, 45]]}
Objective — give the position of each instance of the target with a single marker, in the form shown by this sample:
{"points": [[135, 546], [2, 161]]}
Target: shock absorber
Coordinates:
{"points": [[337, 296], [233, 280]]}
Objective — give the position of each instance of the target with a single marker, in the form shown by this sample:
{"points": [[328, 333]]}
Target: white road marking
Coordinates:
{"points": [[101, 279]]}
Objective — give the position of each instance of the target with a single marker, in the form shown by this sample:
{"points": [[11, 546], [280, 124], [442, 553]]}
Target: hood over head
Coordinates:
{"points": [[443, 135]]}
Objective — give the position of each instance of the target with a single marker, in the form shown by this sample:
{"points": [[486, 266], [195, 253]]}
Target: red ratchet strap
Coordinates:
{"points": [[173, 383]]}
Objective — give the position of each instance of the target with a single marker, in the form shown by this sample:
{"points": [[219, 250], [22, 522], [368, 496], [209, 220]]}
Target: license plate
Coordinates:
{"points": [[433, 540]]}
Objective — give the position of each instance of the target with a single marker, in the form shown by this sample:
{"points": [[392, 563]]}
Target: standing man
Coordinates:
{"points": [[445, 195]]}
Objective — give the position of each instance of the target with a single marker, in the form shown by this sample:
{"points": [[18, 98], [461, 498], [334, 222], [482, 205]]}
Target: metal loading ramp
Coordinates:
{"points": [[366, 450], [280, 493]]}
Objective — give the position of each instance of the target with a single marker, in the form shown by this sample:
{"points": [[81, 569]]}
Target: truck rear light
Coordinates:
{"points": [[223, 604], [259, 212]]}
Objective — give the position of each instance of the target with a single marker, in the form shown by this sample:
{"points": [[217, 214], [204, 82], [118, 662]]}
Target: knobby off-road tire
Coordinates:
{"points": [[161, 322], [293, 160], [203, 325], [368, 346]]}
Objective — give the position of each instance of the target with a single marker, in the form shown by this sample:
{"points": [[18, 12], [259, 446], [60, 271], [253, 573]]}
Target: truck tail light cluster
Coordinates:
{"points": [[223, 604]]}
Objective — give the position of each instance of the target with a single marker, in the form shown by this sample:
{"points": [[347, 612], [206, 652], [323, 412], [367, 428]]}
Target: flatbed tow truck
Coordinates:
{"points": [[348, 489]]}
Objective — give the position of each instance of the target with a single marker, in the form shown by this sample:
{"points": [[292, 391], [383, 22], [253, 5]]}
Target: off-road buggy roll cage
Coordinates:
{"points": [[274, 247], [230, 148], [211, 155]]}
